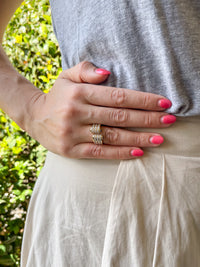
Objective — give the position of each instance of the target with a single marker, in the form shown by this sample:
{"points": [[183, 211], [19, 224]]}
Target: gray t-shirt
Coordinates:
{"points": [[148, 45]]}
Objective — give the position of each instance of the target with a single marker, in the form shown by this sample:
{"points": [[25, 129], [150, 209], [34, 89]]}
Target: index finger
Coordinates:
{"points": [[124, 98]]}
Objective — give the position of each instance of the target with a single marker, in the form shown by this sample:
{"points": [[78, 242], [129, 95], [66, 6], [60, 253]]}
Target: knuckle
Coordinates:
{"points": [[111, 136], [146, 101], [66, 131], [120, 154], [76, 92], [64, 134], [119, 116], [118, 96], [140, 140], [83, 67], [69, 111], [148, 120], [94, 151], [93, 113]]}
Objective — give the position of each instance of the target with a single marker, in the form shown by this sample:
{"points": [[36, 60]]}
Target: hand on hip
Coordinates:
{"points": [[61, 119]]}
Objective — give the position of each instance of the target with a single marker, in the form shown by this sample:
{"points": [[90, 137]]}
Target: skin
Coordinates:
{"points": [[61, 119]]}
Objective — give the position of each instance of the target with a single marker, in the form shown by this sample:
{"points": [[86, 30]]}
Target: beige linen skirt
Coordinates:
{"points": [[143, 212]]}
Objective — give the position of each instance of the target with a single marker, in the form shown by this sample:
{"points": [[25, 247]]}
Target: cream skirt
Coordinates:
{"points": [[143, 212]]}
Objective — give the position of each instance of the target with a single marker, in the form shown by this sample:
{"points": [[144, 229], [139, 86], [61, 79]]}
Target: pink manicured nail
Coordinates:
{"points": [[157, 139], [164, 103], [168, 119], [102, 71], [137, 153]]}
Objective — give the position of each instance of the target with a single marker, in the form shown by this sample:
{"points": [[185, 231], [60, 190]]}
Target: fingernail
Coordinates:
{"points": [[102, 71], [164, 103], [157, 139], [137, 153], [168, 119]]}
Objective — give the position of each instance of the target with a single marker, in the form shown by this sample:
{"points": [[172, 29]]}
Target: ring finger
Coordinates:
{"points": [[121, 137]]}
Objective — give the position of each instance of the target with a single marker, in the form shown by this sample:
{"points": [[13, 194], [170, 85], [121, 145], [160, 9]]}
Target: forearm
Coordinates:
{"points": [[16, 93], [7, 8]]}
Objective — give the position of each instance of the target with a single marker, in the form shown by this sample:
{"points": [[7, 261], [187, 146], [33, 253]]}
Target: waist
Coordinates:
{"points": [[182, 138]]}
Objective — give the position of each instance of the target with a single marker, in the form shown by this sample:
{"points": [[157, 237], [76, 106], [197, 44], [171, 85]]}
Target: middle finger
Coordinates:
{"points": [[120, 117]]}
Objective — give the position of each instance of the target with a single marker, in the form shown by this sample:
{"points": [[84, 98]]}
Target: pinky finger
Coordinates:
{"points": [[89, 150]]}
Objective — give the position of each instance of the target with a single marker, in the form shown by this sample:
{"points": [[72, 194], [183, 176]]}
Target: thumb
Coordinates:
{"points": [[85, 72]]}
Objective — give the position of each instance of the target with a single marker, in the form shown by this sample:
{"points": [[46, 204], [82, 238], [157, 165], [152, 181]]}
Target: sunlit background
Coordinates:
{"points": [[30, 43]]}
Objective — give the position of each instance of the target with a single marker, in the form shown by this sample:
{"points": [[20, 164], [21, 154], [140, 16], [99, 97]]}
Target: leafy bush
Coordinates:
{"points": [[32, 48]]}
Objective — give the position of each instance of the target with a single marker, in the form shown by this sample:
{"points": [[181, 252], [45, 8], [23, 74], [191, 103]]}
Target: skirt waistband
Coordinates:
{"points": [[182, 138]]}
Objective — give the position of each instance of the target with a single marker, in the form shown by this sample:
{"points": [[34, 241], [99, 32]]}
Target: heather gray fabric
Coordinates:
{"points": [[148, 45]]}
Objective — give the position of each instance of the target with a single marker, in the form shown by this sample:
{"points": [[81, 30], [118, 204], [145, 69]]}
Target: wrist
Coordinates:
{"points": [[31, 106], [17, 94], [20, 97]]}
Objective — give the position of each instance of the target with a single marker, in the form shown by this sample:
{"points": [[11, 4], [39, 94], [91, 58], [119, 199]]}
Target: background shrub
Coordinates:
{"points": [[32, 48]]}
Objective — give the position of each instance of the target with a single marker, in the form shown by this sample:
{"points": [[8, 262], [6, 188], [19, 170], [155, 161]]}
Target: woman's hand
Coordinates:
{"points": [[62, 118]]}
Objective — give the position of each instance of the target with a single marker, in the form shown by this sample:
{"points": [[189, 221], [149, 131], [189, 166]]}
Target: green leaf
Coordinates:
{"points": [[48, 18], [31, 45], [16, 229], [15, 126], [16, 192], [2, 248], [44, 78], [18, 39]]}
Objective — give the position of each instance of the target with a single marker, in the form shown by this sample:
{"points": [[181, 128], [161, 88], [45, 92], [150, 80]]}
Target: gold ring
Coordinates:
{"points": [[96, 128], [97, 139]]}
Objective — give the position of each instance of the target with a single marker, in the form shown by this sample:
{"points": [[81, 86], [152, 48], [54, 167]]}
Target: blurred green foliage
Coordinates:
{"points": [[30, 43]]}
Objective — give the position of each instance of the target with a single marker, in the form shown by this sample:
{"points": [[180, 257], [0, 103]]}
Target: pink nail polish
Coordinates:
{"points": [[168, 119], [157, 139], [164, 103], [137, 153], [102, 71]]}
